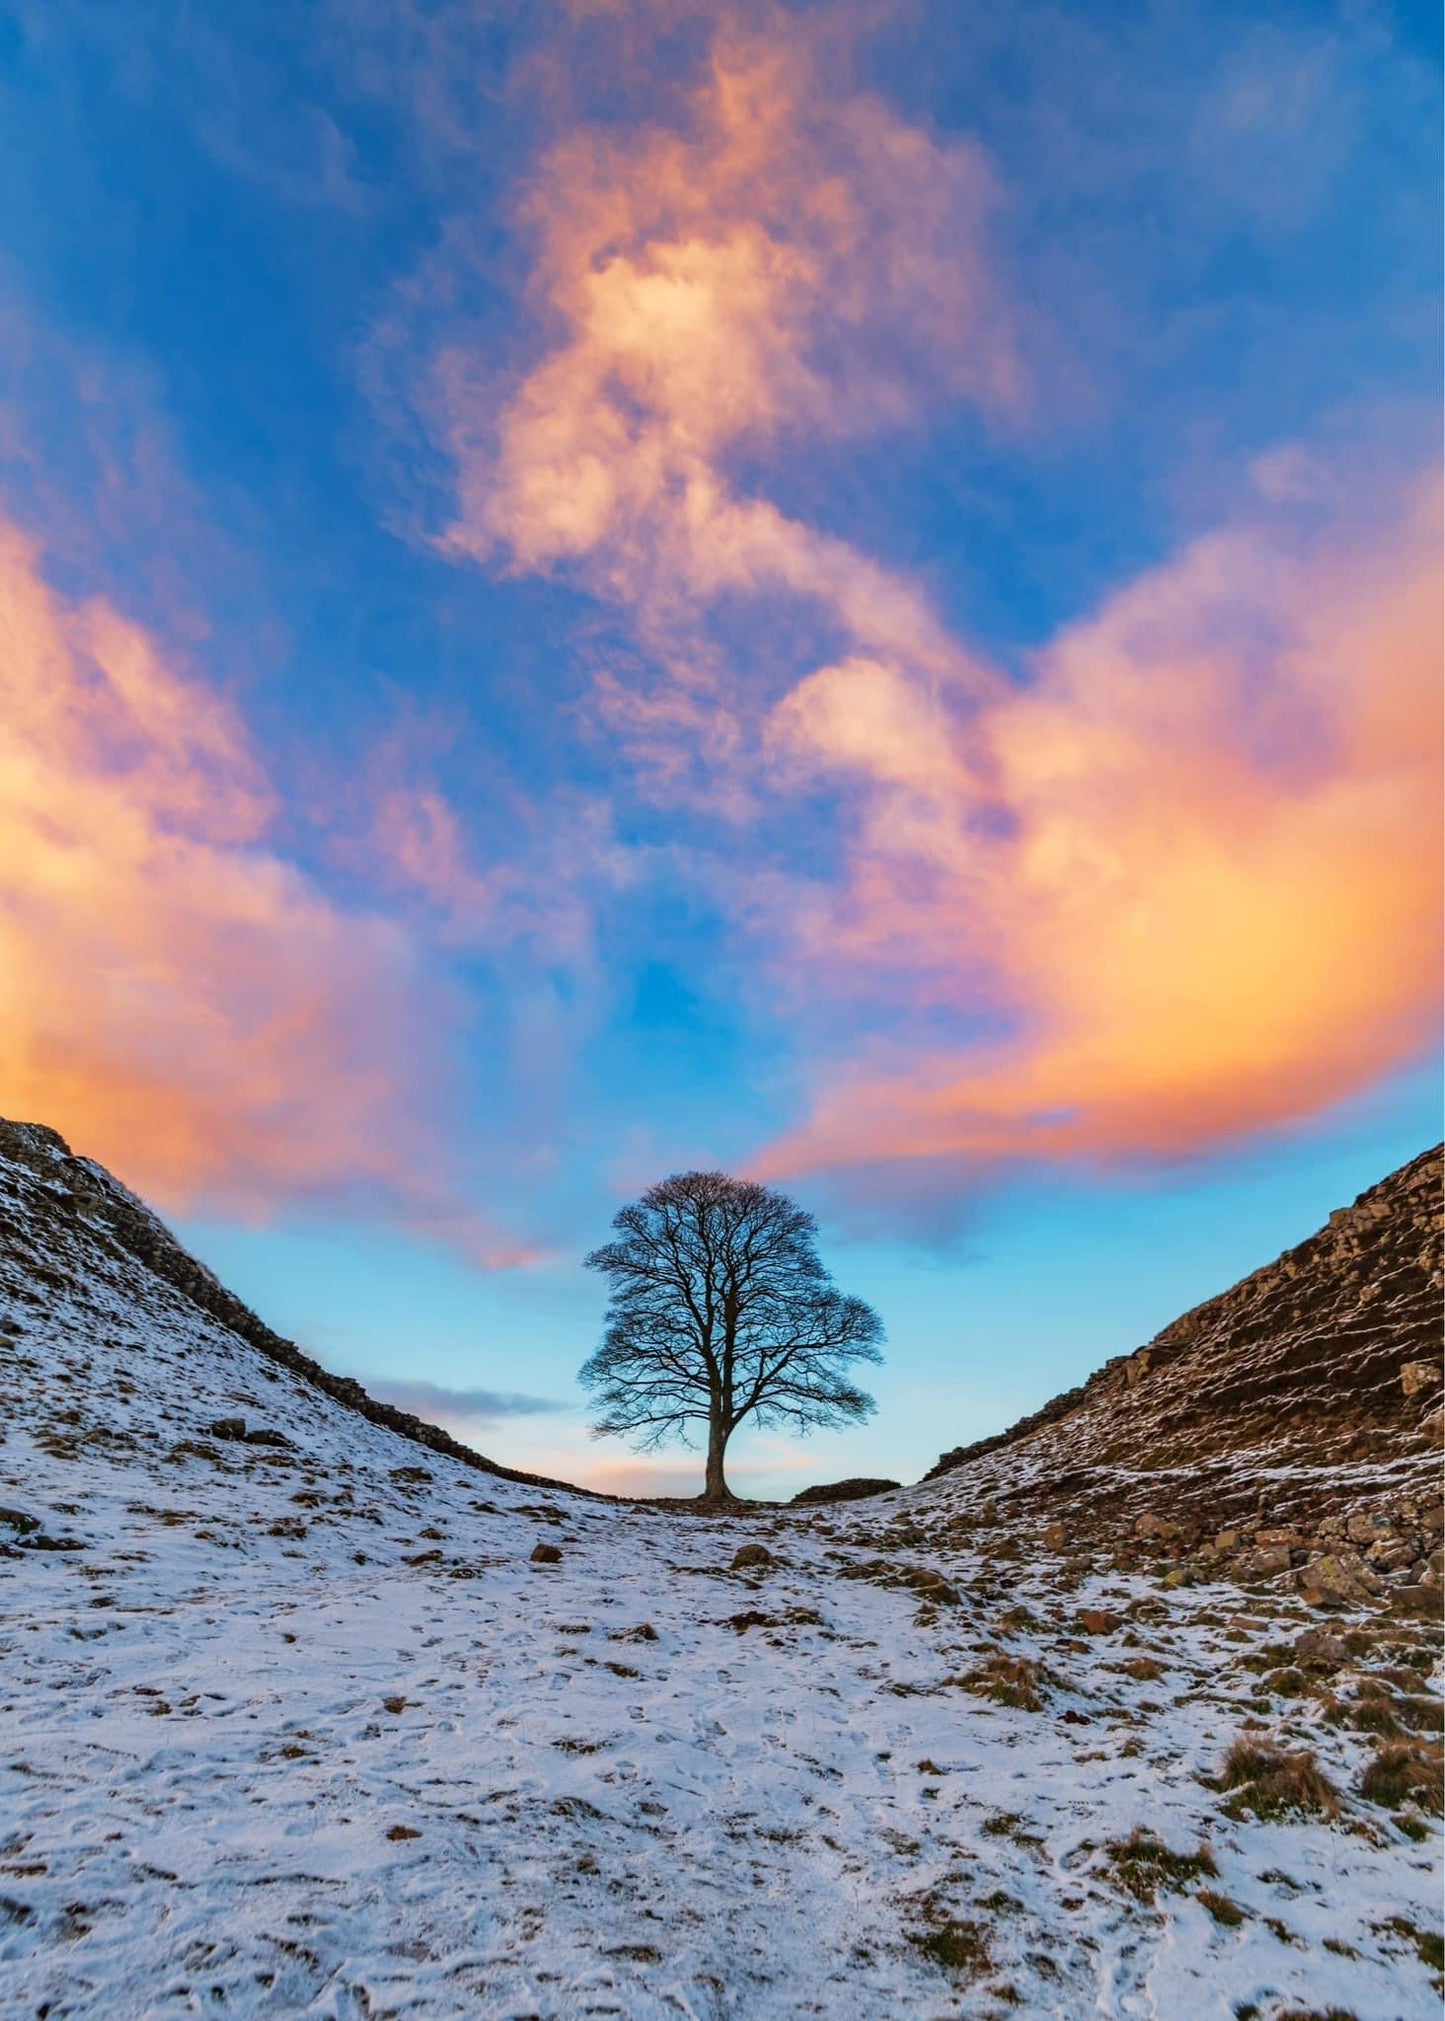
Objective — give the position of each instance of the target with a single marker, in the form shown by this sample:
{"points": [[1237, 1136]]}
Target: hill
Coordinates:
{"points": [[304, 1714], [1291, 1424]]}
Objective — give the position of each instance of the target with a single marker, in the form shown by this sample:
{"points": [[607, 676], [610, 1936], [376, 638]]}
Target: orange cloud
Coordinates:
{"points": [[174, 997], [1187, 881], [785, 262]]}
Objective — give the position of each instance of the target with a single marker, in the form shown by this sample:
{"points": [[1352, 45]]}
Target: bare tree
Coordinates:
{"points": [[721, 1310]]}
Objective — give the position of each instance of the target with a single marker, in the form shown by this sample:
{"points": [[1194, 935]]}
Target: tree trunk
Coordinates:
{"points": [[717, 1489]]}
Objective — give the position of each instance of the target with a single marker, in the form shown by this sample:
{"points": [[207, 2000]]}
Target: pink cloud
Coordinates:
{"points": [[786, 261], [174, 996], [1189, 876]]}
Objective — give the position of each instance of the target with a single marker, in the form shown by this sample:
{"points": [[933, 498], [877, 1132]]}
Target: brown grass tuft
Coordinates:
{"points": [[1402, 1770], [1274, 1783], [1143, 1864], [1007, 1680]]}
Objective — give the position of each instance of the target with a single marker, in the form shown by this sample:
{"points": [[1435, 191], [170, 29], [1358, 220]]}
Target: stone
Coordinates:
{"points": [[1416, 1376], [751, 1555], [1055, 1537], [264, 1436], [1291, 1539], [19, 1519], [1317, 1645], [1266, 1564], [1339, 1579], [1150, 1525], [546, 1554], [1098, 1621], [1389, 1553], [228, 1428], [1229, 1540], [1422, 1602], [1362, 1529]]}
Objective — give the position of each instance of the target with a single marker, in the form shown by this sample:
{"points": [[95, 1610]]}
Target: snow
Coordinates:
{"points": [[299, 1732]]}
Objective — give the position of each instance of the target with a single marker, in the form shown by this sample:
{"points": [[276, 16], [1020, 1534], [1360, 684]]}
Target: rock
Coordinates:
{"points": [[1229, 1540], [1339, 1579], [1056, 1537], [1267, 1539], [19, 1519], [1266, 1564], [38, 1541], [1317, 1645], [1150, 1525], [1362, 1529], [1416, 1376], [228, 1428], [1390, 1553], [264, 1436], [546, 1554], [1098, 1621], [1422, 1602], [752, 1555]]}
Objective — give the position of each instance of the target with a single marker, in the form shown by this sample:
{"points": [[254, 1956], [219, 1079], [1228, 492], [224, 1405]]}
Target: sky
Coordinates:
{"points": [[846, 592]]}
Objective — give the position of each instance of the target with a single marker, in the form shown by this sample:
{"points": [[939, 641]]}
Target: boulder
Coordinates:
{"points": [[752, 1557], [1338, 1579], [546, 1554]]}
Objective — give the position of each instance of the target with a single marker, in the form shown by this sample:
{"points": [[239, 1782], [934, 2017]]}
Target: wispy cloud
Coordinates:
{"points": [[783, 263], [434, 1400]]}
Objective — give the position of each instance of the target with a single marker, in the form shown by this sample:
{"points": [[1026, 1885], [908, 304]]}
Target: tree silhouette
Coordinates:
{"points": [[721, 1310]]}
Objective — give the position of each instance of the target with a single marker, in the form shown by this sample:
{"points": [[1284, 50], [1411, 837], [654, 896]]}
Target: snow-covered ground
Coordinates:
{"points": [[304, 1730]]}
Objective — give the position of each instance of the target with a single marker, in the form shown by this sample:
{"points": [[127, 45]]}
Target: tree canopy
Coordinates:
{"points": [[721, 1310]]}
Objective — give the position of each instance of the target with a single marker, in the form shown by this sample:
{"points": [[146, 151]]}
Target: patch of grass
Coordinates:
{"points": [[1143, 1864], [1401, 1770], [1287, 1683], [1145, 1668], [1009, 1824], [1422, 1715], [1008, 1680], [1221, 1908], [1275, 1783], [1429, 1945], [958, 1946]]}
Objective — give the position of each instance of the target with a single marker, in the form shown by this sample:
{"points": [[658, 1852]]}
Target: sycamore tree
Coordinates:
{"points": [[721, 1311]]}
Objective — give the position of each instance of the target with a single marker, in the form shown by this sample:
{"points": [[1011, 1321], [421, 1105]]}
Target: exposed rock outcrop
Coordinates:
{"points": [[1289, 1427]]}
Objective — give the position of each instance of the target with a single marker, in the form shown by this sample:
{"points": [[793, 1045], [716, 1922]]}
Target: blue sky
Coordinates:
{"points": [[841, 592]]}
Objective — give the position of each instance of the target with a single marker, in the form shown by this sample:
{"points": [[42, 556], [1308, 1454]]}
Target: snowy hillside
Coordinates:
{"points": [[301, 1718]]}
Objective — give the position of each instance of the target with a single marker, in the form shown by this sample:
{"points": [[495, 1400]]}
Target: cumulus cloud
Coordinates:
{"points": [[783, 262], [1186, 881], [434, 1400], [174, 996], [1176, 886]]}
